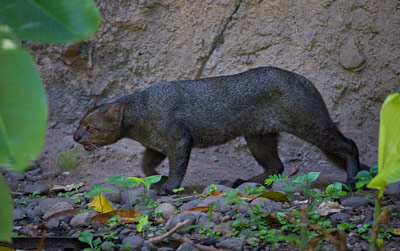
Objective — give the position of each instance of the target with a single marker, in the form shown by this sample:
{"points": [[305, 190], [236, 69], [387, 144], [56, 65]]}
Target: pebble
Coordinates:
{"points": [[15, 176], [232, 243], [46, 204], [187, 247], [50, 174], [339, 217], [189, 205], [355, 202], [43, 189], [222, 188], [195, 218], [19, 214], [59, 207], [167, 209], [133, 242], [241, 188], [53, 223], [166, 199], [219, 201], [83, 219]]}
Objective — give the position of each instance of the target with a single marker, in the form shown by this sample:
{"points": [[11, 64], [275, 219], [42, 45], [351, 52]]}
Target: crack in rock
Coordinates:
{"points": [[218, 39]]}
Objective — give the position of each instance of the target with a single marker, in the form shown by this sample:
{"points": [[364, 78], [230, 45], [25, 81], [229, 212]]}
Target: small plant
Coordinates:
{"points": [[364, 177], [33, 195], [143, 223], [67, 159], [334, 191], [87, 237], [178, 190], [114, 220], [209, 233], [96, 193]]}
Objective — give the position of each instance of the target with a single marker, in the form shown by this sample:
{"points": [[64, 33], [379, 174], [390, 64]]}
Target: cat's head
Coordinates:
{"points": [[100, 126]]}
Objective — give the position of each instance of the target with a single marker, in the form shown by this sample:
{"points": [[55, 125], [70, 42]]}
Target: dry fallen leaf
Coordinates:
{"points": [[67, 188], [396, 231], [328, 207], [127, 215], [213, 193], [101, 204]]}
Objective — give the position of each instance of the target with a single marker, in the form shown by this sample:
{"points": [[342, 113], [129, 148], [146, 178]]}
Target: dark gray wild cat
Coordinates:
{"points": [[171, 118]]}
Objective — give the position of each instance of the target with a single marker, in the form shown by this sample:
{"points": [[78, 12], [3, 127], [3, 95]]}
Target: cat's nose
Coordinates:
{"points": [[77, 136]]}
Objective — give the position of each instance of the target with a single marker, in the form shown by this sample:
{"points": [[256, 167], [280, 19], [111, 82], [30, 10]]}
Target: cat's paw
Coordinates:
{"points": [[166, 188]]}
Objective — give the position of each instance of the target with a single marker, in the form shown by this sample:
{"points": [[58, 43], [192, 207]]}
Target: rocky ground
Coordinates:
{"points": [[220, 219]]}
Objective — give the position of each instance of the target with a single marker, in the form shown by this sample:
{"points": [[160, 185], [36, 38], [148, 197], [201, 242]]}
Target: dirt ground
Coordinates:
{"points": [[206, 166]]}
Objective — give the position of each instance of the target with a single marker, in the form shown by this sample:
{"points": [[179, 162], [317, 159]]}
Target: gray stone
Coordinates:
{"points": [[351, 57], [355, 202], [189, 205], [34, 172], [167, 209], [19, 214], [393, 189], [125, 231], [115, 198], [134, 241], [241, 188], [186, 247], [222, 188], [83, 219], [48, 203], [272, 206], [32, 213], [195, 218], [166, 199], [136, 196], [232, 243], [53, 223], [15, 176], [50, 174], [339, 217], [149, 246], [219, 201], [43, 189], [59, 207]]}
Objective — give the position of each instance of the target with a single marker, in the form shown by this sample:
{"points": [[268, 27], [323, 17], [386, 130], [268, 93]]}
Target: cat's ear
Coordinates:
{"points": [[114, 112]]}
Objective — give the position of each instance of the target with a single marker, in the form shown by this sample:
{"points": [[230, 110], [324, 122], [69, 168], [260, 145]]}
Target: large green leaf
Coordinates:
{"points": [[23, 105], [6, 212], [389, 144], [50, 21]]}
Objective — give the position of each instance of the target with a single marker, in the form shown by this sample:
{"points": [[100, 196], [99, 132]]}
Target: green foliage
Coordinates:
{"points": [[335, 191], [365, 177], [23, 103], [178, 190], [87, 237], [389, 144], [120, 181], [51, 21], [143, 223], [6, 215], [98, 190], [67, 159]]}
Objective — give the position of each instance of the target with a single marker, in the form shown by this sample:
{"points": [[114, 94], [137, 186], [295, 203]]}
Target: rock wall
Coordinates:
{"points": [[349, 49]]}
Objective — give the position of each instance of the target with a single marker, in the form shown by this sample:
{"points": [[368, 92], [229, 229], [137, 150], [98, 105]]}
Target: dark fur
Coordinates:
{"points": [[171, 118]]}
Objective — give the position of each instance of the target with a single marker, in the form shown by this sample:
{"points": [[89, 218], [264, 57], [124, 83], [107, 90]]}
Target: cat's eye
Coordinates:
{"points": [[89, 129]]}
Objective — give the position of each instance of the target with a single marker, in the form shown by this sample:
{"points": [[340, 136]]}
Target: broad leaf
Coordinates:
{"points": [[389, 144], [127, 215], [151, 180], [49, 21], [86, 237], [6, 211], [101, 204], [23, 105]]}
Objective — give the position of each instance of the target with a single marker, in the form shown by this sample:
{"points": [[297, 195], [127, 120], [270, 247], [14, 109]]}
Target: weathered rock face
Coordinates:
{"points": [[348, 49]]}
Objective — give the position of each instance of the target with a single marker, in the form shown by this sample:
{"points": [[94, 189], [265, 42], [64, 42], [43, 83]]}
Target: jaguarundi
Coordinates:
{"points": [[171, 118]]}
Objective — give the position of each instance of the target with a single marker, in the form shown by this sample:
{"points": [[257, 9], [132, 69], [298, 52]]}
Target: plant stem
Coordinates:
{"points": [[127, 197], [377, 210]]}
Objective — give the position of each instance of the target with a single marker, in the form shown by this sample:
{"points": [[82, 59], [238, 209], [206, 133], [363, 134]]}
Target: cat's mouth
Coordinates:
{"points": [[89, 146]]}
